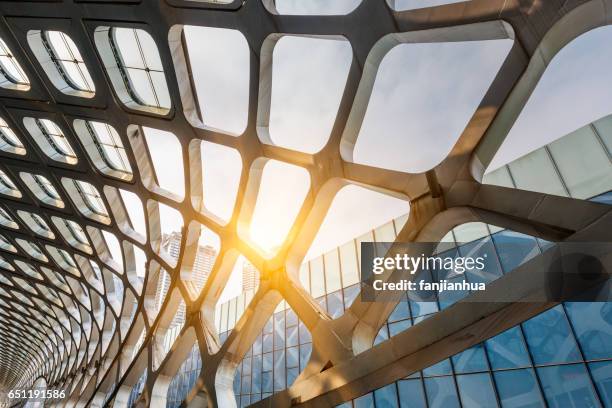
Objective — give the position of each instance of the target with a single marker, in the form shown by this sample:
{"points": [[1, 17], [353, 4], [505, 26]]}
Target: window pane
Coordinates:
{"points": [[68, 60], [441, 392], [386, 397], [332, 271], [602, 375], [470, 360], [593, 326], [514, 249], [583, 163], [109, 143], [411, 394], [317, 280], [550, 339], [365, 401], [482, 248], [441, 368], [55, 137], [518, 389], [507, 350], [476, 390], [140, 63], [10, 67], [348, 261], [567, 386], [537, 162]]}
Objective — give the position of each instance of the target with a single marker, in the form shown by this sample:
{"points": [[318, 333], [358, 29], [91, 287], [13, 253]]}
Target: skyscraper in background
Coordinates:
{"points": [[204, 261], [250, 276]]}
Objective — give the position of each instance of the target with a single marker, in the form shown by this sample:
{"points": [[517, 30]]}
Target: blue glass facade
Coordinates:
{"points": [[560, 358], [185, 379], [277, 356]]}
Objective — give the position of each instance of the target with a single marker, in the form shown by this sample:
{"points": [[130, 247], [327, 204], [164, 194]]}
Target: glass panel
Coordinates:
{"points": [[537, 162], [6, 184], [335, 306], [46, 186], [441, 368], [401, 311], [602, 375], [507, 350], [482, 248], [518, 389], [476, 390], [365, 401], [441, 392], [76, 231], [109, 145], [470, 360], [603, 127], [470, 231], [593, 327], [317, 279], [9, 67], [8, 138], [91, 197], [135, 211], [550, 339], [68, 60], [411, 394], [55, 137], [386, 396], [514, 249], [348, 262], [567, 386], [141, 65], [499, 177], [332, 271], [583, 163]]}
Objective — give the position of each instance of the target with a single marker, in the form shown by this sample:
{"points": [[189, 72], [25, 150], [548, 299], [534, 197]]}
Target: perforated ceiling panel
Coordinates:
{"points": [[84, 208]]}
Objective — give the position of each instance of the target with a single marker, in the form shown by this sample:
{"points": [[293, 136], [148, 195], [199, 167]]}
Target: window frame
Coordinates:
{"points": [[11, 82], [100, 152], [110, 53], [60, 64], [124, 68]]}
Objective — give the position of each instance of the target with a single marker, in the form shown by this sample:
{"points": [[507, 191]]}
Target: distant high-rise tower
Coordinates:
{"points": [[250, 276], [163, 284], [172, 245], [204, 261]]}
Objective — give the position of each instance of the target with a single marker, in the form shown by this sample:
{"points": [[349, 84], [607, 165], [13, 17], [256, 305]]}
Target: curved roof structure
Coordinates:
{"points": [[82, 83]]}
